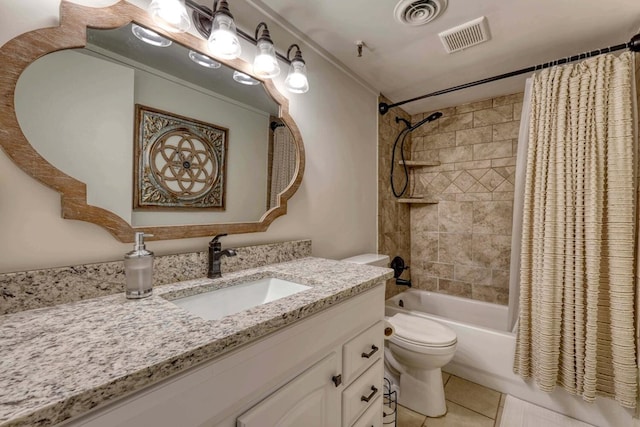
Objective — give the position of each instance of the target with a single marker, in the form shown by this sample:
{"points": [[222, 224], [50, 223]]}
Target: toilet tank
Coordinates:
{"points": [[370, 259]]}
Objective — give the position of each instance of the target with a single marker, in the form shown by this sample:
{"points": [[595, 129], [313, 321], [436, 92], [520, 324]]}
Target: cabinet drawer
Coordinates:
{"points": [[372, 416], [362, 351], [362, 393]]}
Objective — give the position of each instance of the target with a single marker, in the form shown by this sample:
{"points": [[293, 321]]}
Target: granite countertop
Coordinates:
{"points": [[61, 361]]}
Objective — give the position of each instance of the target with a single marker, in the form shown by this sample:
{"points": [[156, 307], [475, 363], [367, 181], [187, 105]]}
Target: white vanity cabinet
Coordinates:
{"points": [[320, 371]]}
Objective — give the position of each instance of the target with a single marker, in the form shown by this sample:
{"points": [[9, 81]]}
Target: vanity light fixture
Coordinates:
{"points": [[203, 60], [223, 40], [171, 15], [150, 37], [245, 79], [265, 64], [296, 80], [219, 28]]}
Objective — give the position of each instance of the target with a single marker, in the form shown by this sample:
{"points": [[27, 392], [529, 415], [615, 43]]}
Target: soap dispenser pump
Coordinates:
{"points": [[138, 269]]}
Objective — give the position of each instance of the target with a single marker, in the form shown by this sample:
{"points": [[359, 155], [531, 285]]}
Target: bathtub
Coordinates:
{"points": [[485, 354]]}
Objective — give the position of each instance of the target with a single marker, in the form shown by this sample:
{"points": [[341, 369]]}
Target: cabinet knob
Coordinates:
{"points": [[371, 353], [337, 380], [374, 390]]}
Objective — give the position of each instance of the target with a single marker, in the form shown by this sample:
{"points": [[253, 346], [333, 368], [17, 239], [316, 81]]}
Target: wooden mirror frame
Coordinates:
{"points": [[17, 54]]}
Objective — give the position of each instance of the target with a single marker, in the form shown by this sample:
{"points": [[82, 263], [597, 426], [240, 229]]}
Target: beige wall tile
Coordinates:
{"points": [[455, 248], [493, 217], [517, 110], [448, 123], [476, 170], [476, 135], [504, 131], [473, 106], [477, 164], [510, 161], [437, 269], [464, 181], [440, 140], [473, 197], [455, 217], [490, 294], [491, 251], [452, 287], [492, 116], [424, 246], [492, 150], [502, 196], [500, 279], [473, 275], [508, 99], [491, 179], [424, 218], [456, 154]]}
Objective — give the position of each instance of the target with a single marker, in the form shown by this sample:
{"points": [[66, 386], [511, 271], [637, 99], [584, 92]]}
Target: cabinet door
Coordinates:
{"points": [[311, 399]]}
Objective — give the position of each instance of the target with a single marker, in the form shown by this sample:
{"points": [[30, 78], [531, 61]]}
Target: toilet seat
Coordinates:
{"points": [[420, 334]]}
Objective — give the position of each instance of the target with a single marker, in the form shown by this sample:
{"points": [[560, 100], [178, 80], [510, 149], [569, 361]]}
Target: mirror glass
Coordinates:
{"points": [[77, 109]]}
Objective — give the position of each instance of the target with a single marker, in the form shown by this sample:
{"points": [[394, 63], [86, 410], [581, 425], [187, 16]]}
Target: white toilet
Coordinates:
{"points": [[417, 351]]}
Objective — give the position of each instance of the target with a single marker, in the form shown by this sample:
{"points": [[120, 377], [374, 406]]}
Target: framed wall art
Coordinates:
{"points": [[179, 163]]}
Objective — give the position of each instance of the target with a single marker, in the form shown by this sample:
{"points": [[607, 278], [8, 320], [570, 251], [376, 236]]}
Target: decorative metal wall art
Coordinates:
{"points": [[179, 163]]}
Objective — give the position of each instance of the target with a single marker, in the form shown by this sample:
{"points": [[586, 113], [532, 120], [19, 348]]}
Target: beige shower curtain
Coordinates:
{"points": [[577, 319], [283, 163]]}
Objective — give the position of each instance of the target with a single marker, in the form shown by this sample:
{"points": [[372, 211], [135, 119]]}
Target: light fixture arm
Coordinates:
{"points": [[298, 55]]}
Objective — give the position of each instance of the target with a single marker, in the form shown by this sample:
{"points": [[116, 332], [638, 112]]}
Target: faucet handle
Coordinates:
{"points": [[215, 242]]}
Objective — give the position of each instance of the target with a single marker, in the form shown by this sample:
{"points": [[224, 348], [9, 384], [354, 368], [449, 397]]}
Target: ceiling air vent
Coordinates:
{"points": [[465, 35], [418, 12]]}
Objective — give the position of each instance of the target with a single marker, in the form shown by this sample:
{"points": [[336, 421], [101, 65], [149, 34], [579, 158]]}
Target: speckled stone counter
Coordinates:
{"points": [[27, 290], [61, 361]]}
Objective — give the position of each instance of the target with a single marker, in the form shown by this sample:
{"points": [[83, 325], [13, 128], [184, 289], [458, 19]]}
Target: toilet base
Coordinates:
{"points": [[423, 392]]}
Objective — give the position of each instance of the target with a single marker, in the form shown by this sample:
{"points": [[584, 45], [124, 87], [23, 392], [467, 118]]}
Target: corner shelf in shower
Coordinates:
{"points": [[418, 200], [418, 163]]}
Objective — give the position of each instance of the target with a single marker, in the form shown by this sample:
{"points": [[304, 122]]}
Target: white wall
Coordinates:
{"points": [[335, 205]]}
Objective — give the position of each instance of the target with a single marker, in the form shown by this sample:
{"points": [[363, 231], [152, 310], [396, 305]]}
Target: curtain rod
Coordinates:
{"points": [[634, 45]]}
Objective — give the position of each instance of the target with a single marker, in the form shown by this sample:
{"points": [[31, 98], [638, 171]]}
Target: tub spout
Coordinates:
{"points": [[403, 282]]}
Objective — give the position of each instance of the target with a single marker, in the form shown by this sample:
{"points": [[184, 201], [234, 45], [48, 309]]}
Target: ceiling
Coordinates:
{"points": [[403, 61]]}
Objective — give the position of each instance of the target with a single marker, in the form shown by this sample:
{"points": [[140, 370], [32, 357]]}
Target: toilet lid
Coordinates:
{"points": [[420, 331]]}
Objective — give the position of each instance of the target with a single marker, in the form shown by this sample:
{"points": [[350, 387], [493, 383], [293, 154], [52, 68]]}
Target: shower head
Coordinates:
{"points": [[432, 117], [411, 128]]}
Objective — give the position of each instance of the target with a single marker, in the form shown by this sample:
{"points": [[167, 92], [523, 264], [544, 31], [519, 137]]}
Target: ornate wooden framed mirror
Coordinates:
{"points": [[32, 104]]}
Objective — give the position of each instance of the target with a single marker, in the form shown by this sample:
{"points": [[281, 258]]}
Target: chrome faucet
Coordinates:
{"points": [[215, 253]]}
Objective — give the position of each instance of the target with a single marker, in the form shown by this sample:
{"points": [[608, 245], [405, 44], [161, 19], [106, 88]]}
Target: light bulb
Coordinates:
{"points": [[171, 15], [223, 41], [265, 63], [296, 80]]}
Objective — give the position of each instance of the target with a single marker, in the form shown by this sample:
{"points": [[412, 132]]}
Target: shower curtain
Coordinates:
{"points": [[577, 277]]}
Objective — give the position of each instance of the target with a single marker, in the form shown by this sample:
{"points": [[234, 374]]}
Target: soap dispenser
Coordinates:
{"points": [[138, 269]]}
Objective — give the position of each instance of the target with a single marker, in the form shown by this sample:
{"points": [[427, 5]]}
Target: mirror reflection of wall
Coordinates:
{"points": [[76, 107], [282, 161], [62, 101]]}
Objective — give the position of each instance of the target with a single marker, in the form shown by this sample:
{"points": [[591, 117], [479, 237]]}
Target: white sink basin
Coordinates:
{"points": [[222, 302]]}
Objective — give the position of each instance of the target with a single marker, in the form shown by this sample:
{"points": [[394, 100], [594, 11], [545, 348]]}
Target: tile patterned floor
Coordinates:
{"points": [[468, 405]]}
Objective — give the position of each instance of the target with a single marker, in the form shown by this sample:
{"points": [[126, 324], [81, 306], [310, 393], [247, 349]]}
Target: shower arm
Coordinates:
{"points": [[411, 128], [633, 45]]}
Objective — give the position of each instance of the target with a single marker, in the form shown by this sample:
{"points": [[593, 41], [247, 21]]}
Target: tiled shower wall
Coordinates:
{"points": [[462, 245], [394, 238]]}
